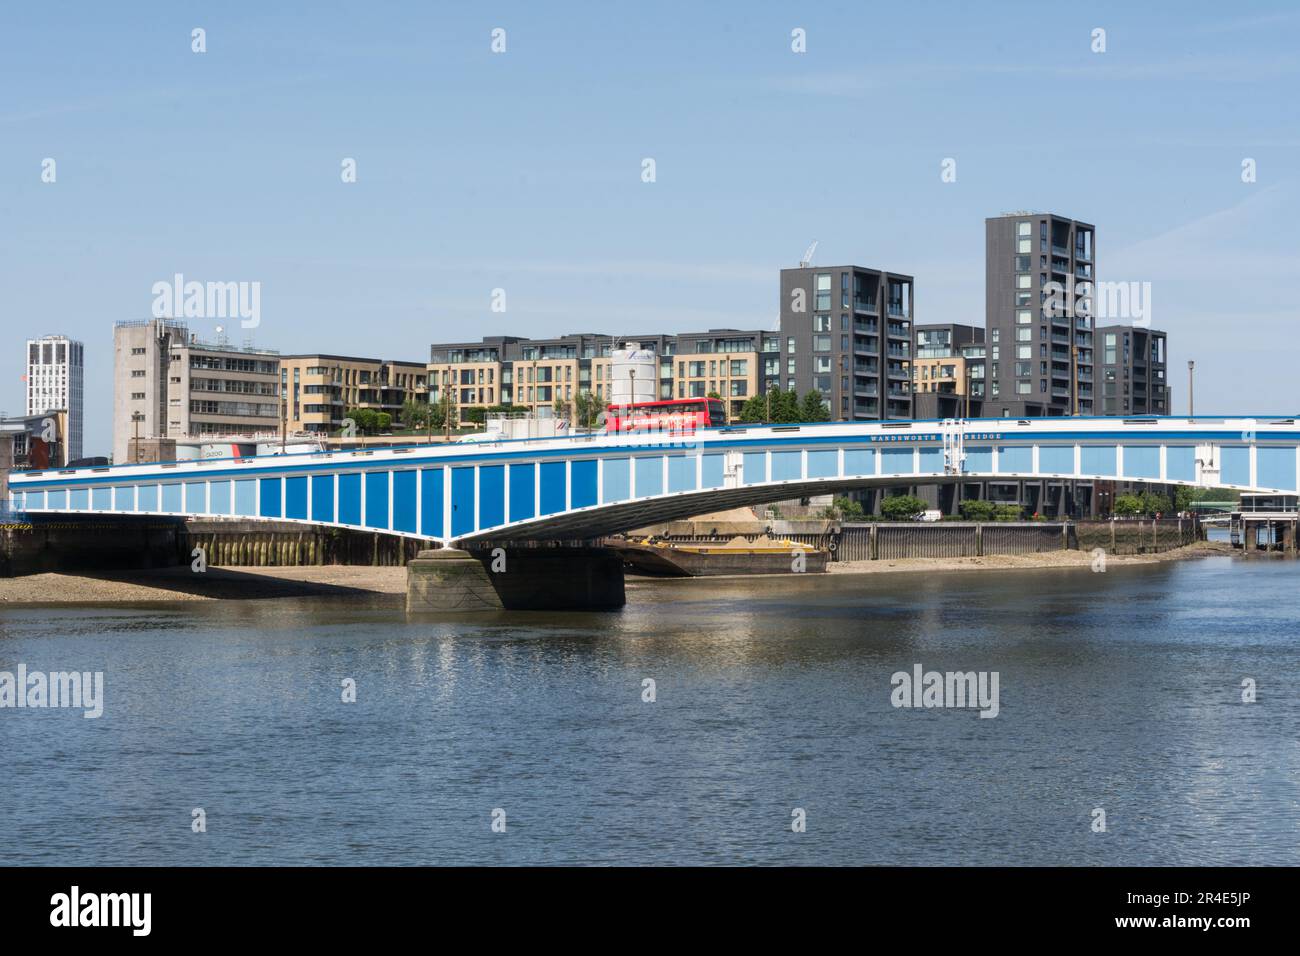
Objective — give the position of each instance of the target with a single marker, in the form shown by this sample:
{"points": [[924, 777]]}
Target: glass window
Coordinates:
{"points": [[1024, 245], [824, 282], [1024, 317], [1024, 281], [1022, 229]]}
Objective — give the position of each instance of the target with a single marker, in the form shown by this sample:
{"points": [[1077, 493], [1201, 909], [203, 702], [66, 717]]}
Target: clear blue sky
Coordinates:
{"points": [[523, 170]]}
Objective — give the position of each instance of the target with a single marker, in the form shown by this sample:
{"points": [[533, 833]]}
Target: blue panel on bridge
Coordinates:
{"points": [[295, 497], [491, 495], [195, 497], [146, 497], [1235, 466], [859, 461], [582, 478], [552, 490], [649, 477], [404, 501], [350, 498], [246, 497], [787, 465], [123, 498], [755, 468], [431, 503], [58, 499], [270, 505], [1275, 468], [712, 469], [322, 498], [823, 464], [1017, 458], [462, 500], [523, 487], [171, 497], [616, 484], [1142, 461], [897, 461], [376, 499], [219, 497], [101, 499], [1180, 463], [1098, 460], [79, 499], [979, 458], [681, 472], [931, 460], [1056, 459]]}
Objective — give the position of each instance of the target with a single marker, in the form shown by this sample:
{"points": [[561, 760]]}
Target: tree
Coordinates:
{"points": [[902, 507], [1008, 513], [587, 408], [365, 419], [1127, 506], [383, 421], [976, 510], [414, 415], [813, 408]]}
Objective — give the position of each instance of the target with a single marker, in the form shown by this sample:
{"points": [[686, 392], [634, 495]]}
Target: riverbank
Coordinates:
{"points": [[214, 584], [1044, 560], [387, 585]]}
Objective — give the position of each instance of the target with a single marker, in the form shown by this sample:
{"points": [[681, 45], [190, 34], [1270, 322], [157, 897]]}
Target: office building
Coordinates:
{"points": [[319, 390], [846, 331], [55, 366], [1133, 371], [1040, 359], [167, 383]]}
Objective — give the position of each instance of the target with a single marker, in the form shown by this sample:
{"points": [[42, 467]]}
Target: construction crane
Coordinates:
{"points": [[806, 261]]}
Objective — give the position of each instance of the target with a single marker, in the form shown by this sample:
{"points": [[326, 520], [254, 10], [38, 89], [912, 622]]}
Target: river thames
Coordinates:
{"points": [[1120, 692]]}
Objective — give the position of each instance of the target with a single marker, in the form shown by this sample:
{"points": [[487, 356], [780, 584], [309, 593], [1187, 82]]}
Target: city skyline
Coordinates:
{"points": [[470, 178]]}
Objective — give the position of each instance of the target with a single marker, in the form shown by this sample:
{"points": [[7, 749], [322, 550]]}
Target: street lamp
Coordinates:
{"points": [[1191, 367]]}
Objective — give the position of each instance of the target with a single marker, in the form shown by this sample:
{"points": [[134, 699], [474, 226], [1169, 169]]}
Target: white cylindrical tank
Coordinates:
{"points": [[634, 376]]}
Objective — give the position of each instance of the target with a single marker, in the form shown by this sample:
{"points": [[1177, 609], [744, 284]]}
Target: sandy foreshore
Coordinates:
{"points": [[182, 584], [1024, 562], [388, 584]]}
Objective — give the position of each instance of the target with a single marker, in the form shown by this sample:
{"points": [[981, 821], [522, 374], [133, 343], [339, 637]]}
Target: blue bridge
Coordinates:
{"points": [[587, 486]]}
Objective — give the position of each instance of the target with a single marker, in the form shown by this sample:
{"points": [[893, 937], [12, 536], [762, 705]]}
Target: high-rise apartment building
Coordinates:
{"points": [[1133, 368], [1040, 357], [167, 383], [55, 367], [847, 332], [319, 390]]}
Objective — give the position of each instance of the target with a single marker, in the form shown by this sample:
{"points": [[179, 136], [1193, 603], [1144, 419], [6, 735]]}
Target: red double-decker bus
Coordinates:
{"points": [[671, 415]]}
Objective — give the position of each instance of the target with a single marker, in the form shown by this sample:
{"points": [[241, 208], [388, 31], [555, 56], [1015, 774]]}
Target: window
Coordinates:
{"points": [[1024, 317], [1024, 335], [821, 323], [1023, 388], [821, 343], [739, 367], [789, 345], [1024, 281], [1023, 229], [1022, 263], [1023, 245], [824, 282], [1024, 352]]}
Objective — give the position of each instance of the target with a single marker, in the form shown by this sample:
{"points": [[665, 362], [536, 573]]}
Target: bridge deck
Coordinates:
{"points": [[589, 485]]}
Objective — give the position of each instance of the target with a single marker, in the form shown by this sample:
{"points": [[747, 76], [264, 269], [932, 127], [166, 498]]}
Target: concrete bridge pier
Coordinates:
{"points": [[449, 580]]}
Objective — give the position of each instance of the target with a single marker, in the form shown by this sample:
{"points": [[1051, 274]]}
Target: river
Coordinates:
{"points": [[1120, 692]]}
